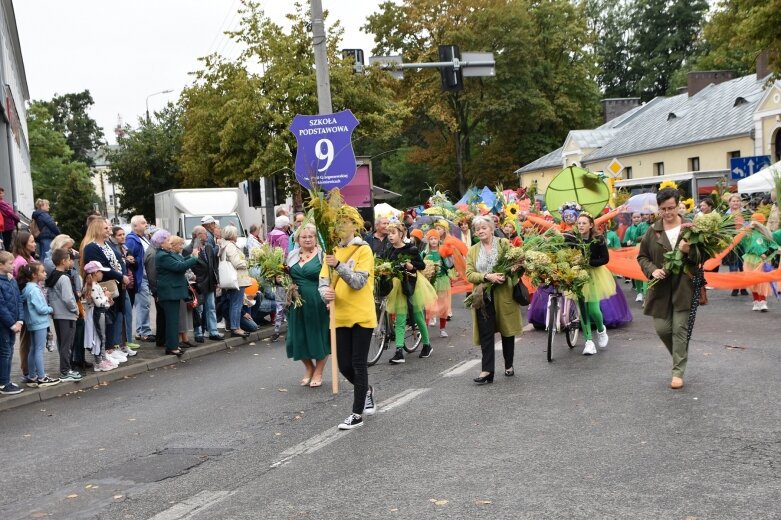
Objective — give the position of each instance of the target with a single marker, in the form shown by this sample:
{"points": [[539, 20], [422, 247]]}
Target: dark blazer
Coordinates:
{"points": [[675, 291], [206, 271], [92, 251], [171, 282]]}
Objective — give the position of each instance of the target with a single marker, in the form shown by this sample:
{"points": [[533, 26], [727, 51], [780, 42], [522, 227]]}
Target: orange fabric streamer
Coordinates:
{"points": [[714, 262]]}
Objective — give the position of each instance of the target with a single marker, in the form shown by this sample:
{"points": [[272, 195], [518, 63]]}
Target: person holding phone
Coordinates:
{"points": [[205, 271]]}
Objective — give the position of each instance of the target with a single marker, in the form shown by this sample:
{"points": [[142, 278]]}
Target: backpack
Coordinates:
{"points": [[34, 229]]}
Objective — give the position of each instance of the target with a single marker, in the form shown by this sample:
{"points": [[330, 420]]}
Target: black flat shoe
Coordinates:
{"points": [[199, 339], [509, 372], [184, 346], [239, 335], [177, 352], [483, 380], [216, 337]]}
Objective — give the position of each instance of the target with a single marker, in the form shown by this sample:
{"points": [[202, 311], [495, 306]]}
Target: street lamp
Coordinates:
{"points": [[167, 91]]}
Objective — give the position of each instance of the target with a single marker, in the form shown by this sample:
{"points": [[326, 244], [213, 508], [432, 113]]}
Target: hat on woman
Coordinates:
{"points": [[417, 233], [94, 266]]}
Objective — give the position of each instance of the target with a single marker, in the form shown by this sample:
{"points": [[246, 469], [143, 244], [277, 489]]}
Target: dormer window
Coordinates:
{"points": [[740, 101]]}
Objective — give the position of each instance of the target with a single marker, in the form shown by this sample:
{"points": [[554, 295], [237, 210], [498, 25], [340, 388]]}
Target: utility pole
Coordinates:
{"points": [[321, 59]]}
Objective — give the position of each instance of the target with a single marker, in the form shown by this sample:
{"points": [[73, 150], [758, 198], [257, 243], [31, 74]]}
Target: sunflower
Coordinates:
{"points": [[511, 210], [689, 203], [668, 184]]}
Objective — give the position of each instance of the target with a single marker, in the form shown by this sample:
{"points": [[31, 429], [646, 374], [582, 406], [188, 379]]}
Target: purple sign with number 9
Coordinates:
{"points": [[325, 151]]}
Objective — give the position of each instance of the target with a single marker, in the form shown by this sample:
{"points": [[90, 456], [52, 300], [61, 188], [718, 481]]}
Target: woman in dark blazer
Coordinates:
{"points": [[172, 288], [95, 246], [669, 300]]}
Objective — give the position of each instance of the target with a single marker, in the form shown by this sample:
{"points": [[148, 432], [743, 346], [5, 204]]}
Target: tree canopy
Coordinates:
{"points": [[70, 117]]}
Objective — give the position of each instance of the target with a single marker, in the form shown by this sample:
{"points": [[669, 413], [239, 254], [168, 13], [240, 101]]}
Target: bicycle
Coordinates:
{"points": [[562, 315], [383, 333]]}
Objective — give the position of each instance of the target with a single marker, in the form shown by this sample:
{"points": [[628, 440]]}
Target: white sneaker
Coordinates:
{"points": [[602, 338], [432, 322], [589, 349], [442, 333], [639, 297], [756, 306], [103, 366], [763, 306], [117, 356], [128, 352]]}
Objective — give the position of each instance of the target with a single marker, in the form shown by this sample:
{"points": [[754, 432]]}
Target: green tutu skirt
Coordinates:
{"points": [[424, 297], [600, 286]]}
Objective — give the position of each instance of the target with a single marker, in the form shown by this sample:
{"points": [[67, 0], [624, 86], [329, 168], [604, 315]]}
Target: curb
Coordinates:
{"points": [[92, 379]]}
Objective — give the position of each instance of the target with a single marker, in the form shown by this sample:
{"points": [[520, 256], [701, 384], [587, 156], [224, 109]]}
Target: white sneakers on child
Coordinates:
{"points": [[602, 338], [589, 349], [442, 333], [639, 297]]}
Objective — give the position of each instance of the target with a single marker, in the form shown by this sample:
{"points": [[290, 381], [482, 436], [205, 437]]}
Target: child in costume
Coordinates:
{"points": [[441, 281], [634, 234], [600, 286], [756, 245], [409, 290]]}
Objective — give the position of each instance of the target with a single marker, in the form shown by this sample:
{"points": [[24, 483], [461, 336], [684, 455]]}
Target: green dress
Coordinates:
{"points": [[307, 326]]}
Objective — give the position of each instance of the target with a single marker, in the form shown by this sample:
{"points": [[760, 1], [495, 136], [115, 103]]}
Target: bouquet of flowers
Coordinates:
{"points": [[564, 268], [269, 263], [707, 235]]}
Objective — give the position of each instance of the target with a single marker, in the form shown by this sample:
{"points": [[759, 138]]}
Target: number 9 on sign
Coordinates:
{"points": [[328, 156]]}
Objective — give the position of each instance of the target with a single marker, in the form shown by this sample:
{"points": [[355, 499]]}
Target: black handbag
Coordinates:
{"points": [[521, 294], [383, 285], [406, 285]]}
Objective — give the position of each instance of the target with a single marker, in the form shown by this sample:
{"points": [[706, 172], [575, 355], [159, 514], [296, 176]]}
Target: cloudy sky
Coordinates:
{"points": [[124, 51]]}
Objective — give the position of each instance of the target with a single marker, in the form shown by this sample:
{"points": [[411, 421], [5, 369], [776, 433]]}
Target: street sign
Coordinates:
{"points": [[479, 70], [742, 167], [614, 169], [325, 151], [389, 62]]}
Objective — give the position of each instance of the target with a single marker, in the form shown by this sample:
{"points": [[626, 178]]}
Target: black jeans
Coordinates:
{"points": [[486, 330], [352, 349], [66, 333]]}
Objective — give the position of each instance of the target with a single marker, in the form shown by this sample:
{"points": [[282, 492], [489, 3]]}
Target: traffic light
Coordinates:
{"points": [[452, 78], [356, 55]]}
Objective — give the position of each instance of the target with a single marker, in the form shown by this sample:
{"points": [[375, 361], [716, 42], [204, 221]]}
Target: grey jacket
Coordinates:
{"points": [[62, 300]]}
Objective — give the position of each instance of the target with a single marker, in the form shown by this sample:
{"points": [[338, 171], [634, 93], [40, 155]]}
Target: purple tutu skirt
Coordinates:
{"points": [[615, 310]]}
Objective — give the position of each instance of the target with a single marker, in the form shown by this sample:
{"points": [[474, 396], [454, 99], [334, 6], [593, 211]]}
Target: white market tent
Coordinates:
{"points": [[760, 181]]}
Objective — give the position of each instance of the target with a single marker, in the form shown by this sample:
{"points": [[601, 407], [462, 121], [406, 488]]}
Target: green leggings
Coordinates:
{"points": [[401, 325], [590, 313], [641, 286]]}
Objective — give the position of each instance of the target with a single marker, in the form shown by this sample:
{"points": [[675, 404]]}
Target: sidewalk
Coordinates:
{"points": [[149, 357]]}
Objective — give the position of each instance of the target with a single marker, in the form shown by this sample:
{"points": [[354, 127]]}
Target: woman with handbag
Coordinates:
{"points": [[495, 311], [307, 338], [185, 310], [172, 286], [234, 278], [96, 247]]}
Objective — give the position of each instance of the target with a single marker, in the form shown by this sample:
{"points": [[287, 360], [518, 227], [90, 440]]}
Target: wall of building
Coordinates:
{"points": [[15, 173], [713, 156], [769, 123]]}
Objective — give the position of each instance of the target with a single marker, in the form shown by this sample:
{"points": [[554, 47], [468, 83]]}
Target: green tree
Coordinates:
{"points": [[56, 176], [70, 114], [542, 88], [146, 161], [236, 120], [610, 22], [738, 32]]}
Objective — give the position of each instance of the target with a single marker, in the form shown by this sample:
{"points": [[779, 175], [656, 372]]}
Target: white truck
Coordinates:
{"points": [[179, 211]]}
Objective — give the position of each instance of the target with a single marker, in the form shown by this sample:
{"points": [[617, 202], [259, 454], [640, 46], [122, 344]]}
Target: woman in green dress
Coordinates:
{"points": [[307, 338]]}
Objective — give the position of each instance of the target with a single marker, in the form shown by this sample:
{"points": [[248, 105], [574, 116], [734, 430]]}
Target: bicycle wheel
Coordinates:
{"points": [[553, 318], [379, 341], [412, 338], [572, 319]]}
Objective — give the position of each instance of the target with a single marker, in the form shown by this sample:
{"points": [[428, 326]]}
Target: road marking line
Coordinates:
{"points": [[328, 436], [193, 505], [460, 368]]}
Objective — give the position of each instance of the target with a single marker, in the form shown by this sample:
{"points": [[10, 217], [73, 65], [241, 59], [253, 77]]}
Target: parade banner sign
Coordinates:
{"points": [[325, 151]]}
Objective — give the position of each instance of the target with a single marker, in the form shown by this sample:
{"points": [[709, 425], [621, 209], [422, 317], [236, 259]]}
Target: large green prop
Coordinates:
{"points": [[574, 184]]}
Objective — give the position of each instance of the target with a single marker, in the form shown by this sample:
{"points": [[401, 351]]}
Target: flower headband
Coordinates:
{"points": [[574, 206]]}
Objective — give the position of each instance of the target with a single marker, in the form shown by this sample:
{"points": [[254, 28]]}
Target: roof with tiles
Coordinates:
{"points": [[716, 112]]}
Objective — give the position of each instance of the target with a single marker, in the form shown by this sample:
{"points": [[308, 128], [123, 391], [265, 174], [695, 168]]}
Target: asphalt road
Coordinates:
{"points": [[232, 436]]}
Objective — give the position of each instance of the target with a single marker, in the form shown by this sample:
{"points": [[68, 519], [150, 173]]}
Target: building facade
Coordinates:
{"points": [[109, 205], [717, 118], [15, 172]]}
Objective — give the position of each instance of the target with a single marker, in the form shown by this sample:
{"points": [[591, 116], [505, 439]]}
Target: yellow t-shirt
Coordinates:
{"points": [[354, 307]]}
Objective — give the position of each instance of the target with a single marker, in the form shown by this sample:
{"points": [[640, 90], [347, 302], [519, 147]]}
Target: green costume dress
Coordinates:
{"points": [[307, 326]]}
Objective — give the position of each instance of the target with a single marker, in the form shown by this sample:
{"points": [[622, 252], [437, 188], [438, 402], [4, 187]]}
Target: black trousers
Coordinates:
{"points": [[66, 333], [160, 323], [486, 330], [352, 349], [171, 312], [8, 240]]}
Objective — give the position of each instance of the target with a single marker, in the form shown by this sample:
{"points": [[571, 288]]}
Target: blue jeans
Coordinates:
{"points": [[143, 301], [44, 244], [124, 321], [6, 353], [35, 357], [235, 301], [208, 313]]}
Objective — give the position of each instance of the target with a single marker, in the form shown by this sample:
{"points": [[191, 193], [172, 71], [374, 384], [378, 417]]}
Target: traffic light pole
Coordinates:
{"points": [[319, 44]]}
